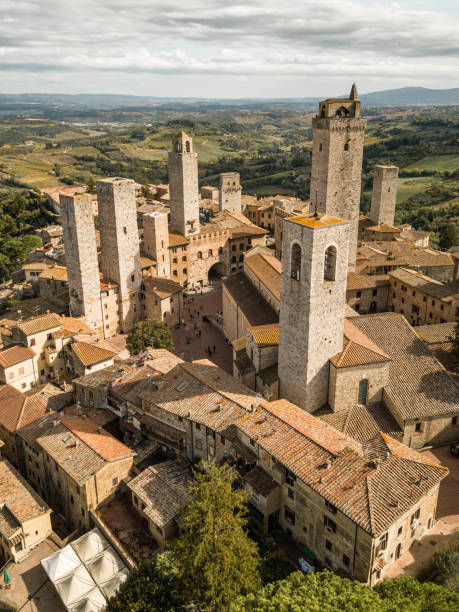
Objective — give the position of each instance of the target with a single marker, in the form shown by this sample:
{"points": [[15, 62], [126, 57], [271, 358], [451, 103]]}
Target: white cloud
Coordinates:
{"points": [[264, 40]]}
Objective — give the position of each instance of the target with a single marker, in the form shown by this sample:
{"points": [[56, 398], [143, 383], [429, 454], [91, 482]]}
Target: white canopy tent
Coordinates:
{"points": [[75, 585], [61, 563], [94, 601]]}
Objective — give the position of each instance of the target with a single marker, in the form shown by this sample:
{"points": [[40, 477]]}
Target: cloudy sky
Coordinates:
{"points": [[224, 48]]}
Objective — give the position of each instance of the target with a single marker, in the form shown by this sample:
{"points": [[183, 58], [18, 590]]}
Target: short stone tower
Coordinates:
{"points": [[156, 241], [384, 195], [230, 195], [119, 243], [313, 297], [183, 186], [336, 172], [81, 258]]}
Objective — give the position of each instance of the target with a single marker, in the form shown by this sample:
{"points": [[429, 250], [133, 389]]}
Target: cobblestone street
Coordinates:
{"points": [[208, 303]]}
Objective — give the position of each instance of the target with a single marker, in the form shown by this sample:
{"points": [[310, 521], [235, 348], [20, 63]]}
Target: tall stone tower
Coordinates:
{"points": [[119, 243], [81, 258], [183, 186], [384, 195], [315, 251], [156, 241], [230, 196], [336, 172]]}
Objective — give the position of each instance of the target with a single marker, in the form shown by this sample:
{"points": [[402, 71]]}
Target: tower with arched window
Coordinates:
{"points": [[183, 186], [313, 296], [336, 172], [230, 197]]}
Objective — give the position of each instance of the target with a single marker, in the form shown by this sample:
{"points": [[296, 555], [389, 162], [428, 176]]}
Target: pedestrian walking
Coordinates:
{"points": [[199, 332]]}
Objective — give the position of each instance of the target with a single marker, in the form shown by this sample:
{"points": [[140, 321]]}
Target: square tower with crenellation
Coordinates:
{"points": [[230, 194], [81, 258], [313, 296], [384, 195], [156, 241], [336, 172], [183, 186], [119, 243]]}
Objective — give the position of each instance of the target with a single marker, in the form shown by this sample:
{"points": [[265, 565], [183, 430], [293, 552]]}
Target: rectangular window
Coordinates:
{"points": [[115, 481], [290, 493], [329, 524], [290, 478], [331, 507], [454, 420], [328, 545], [346, 561], [383, 542], [418, 427], [289, 515]]}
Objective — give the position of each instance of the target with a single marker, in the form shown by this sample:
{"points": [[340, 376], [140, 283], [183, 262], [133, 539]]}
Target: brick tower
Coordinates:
{"points": [[119, 242], [156, 241], [230, 195], [183, 186], [313, 296], [336, 171], [81, 258], [384, 195]]}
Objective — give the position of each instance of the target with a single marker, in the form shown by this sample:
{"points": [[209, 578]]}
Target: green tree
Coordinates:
{"points": [[146, 192], [150, 332], [216, 559], [446, 561], [91, 185], [448, 236], [407, 594], [150, 587], [455, 340], [315, 592]]}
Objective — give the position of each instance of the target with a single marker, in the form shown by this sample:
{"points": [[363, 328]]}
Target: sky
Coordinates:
{"points": [[224, 48]]}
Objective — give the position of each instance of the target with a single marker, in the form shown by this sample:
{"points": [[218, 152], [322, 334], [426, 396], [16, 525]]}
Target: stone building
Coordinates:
{"points": [[230, 194], [119, 241], [25, 517], [368, 294], [163, 300], [74, 463], [183, 185], [384, 195], [336, 171], [53, 283], [81, 258], [421, 299], [156, 241], [313, 292], [17, 367]]}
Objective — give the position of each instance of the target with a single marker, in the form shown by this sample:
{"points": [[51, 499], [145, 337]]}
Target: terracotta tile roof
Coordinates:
{"points": [[362, 422], [403, 451], [369, 484], [265, 335], [358, 349], [366, 281], [104, 377], [162, 287], [384, 228], [350, 312], [15, 354], [267, 269], [177, 240], [17, 410], [418, 385], [260, 481], [436, 334], [162, 360], [90, 354], [18, 500], [39, 265], [429, 286], [146, 262], [163, 489], [72, 325], [53, 396], [403, 253], [131, 383], [39, 324], [239, 344], [55, 273], [99, 440], [255, 308]]}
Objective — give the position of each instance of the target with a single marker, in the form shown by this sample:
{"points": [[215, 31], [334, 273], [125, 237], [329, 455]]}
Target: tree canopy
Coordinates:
{"points": [[216, 559], [149, 333]]}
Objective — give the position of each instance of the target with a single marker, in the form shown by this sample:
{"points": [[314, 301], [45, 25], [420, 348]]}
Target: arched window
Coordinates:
{"points": [[188, 148], [295, 265], [330, 264], [220, 250], [199, 254], [342, 112], [363, 391], [346, 146], [210, 252]]}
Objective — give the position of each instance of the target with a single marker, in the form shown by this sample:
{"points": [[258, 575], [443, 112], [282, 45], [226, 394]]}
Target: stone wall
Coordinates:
{"points": [[81, 258], [384, 195], [230, 194], [365, 301], [156, 241], [183, 187], [344, 384]]}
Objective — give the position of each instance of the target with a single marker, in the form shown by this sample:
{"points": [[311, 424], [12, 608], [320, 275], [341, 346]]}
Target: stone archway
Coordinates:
{"points": [[216, 271]]}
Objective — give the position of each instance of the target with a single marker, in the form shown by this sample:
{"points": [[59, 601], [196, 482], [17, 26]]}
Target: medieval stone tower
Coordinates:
{"points": [[156, 241], [183, 186], [81, 258], [336, 172], [230, 196], [384, 195], [119, 242], [313, 295]]}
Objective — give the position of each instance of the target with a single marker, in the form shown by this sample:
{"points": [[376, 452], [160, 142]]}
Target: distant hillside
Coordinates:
{"points": [[411, 96]]}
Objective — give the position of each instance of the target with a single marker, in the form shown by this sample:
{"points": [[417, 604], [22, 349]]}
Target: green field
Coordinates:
{"points": [[440, 163], [408, 187]]}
